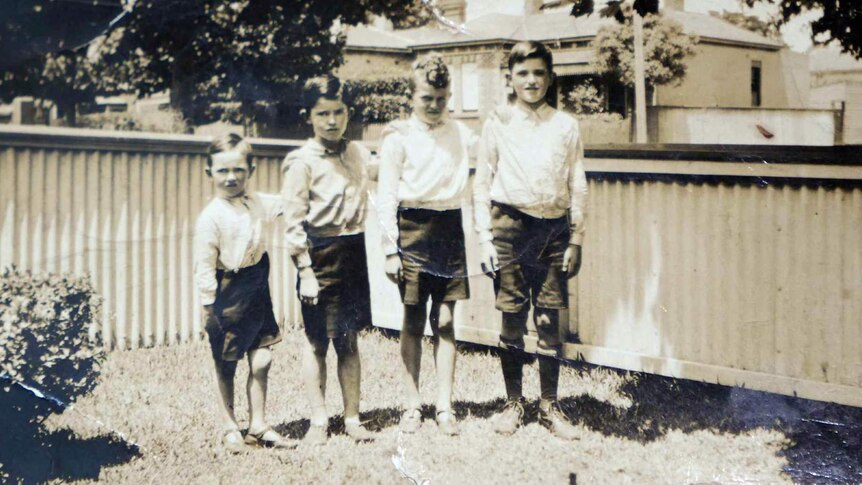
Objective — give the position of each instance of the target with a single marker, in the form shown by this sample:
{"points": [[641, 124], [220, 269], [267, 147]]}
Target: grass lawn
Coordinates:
{"points": [[635, 428]]}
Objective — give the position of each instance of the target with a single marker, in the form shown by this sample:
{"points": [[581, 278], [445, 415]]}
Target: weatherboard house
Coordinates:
{"points": [[732, 67]]}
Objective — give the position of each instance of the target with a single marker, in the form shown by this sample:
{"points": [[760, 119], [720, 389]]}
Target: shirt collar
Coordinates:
{"points": [[423, 126], [544, 112], [318, 149], [240, 200]]}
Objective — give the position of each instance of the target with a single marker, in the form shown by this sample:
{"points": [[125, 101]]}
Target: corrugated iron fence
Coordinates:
{"points": [[696, 264]]}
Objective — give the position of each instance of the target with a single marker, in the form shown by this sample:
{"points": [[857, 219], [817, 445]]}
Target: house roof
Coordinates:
{"points": [[541, 27], [832, 59]]}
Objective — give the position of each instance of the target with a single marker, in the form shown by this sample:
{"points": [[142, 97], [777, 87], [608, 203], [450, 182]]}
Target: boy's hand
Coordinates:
{"points": [[308, 286], [572, 260], [211, 321], [488, 259], [393, 268]]}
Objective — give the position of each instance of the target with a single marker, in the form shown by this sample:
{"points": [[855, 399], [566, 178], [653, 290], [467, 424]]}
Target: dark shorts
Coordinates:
{"points": [[344, 302], [530, 253], [244, 318], [433, 259]]}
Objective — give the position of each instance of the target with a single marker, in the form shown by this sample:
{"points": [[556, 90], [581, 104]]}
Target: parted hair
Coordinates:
{"points": [[431, 69], [326, 86], [227, 143], [530, 50]]}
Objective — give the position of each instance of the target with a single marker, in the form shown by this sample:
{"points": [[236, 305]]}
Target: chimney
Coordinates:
{"points": [[674, 5], [454, 10]]}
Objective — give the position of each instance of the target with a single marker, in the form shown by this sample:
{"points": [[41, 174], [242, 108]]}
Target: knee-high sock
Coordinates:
{"points": [[513, 371], [549, 377]]}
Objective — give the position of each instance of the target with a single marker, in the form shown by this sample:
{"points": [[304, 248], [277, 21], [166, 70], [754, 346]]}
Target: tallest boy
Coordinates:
{"points": [[530, 196]]}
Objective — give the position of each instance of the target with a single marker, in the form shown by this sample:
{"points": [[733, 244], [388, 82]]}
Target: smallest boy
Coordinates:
{"points": [[231, 273]]}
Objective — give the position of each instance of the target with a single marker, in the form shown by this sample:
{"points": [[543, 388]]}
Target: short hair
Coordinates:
{"points": [[228, 143], [326, 86], [530, 50], [431, 69]]}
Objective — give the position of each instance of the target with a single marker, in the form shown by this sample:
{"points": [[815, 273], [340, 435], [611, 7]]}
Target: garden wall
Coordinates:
{"points": [[697, 263]]}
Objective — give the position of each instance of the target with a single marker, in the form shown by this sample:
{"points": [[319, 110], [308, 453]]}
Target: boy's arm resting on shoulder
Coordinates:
{"points": [[391, 162], [577, 190], [295, 200], [273, 205], [206, 258]]}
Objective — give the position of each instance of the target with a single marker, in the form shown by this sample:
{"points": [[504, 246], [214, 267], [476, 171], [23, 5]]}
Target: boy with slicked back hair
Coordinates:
{"points": [[530, 195], [424, 168]]}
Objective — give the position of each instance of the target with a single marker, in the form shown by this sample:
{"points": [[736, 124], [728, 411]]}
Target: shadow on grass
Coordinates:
{"points": [[825, 439], [31, 454]]}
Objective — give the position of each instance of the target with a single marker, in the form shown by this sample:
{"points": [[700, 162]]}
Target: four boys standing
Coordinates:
{"points": [[529, 201]]}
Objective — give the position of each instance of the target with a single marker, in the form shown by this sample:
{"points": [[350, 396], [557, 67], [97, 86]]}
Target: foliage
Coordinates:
{"points": [[666, 48], [44, 339], [839, 20], [156, 121], [750, 22], [379, 100], [66, 78], [584, 99], [231, 51], [412, 15]]}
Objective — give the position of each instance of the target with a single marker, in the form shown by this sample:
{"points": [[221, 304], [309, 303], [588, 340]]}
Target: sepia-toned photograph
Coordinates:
{"points": [[431, 241]]}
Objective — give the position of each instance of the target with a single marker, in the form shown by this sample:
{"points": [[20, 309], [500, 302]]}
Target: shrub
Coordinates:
{"points": [[379, 100], [44, 342]]}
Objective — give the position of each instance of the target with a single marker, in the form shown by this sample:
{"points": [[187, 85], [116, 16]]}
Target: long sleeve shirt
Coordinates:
{"points": [[231, 234], [533, 162], [325, 194], [421, 167]]}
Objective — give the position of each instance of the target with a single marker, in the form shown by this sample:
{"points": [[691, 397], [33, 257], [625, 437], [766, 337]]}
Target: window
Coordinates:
{"points": [[755, 83], [469, 87]]}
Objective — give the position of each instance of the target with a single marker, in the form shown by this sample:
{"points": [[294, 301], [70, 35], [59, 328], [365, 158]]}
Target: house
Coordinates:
{"points": [[836, 82], [732, 67]]}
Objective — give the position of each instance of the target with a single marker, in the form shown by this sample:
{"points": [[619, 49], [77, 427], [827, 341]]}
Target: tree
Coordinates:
{"points": [[750, 22], [415, 14], [840, 20], [666, 47], [44, 45], [229, 59]]}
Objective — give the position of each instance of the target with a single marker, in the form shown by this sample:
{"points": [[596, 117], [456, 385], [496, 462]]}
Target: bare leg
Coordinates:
{"points": [[259, 361], [225, 373], [314, 375], [349, 373], [411, 353], [444, 352]]}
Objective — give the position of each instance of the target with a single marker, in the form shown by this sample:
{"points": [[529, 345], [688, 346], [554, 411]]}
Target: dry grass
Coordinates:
{"points": [[162, 399]]}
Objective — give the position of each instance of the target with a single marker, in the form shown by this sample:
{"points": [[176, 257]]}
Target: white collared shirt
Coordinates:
{"points": [[421, 167], [533, 162], [325, 194], [231, 234]]}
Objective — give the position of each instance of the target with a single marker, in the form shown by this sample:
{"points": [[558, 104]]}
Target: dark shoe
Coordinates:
{"points": [[447, 423], [316, 435], [411, 420], [357, 432], [558, 423], [233, 442], [510, 418], [268, 438]]}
